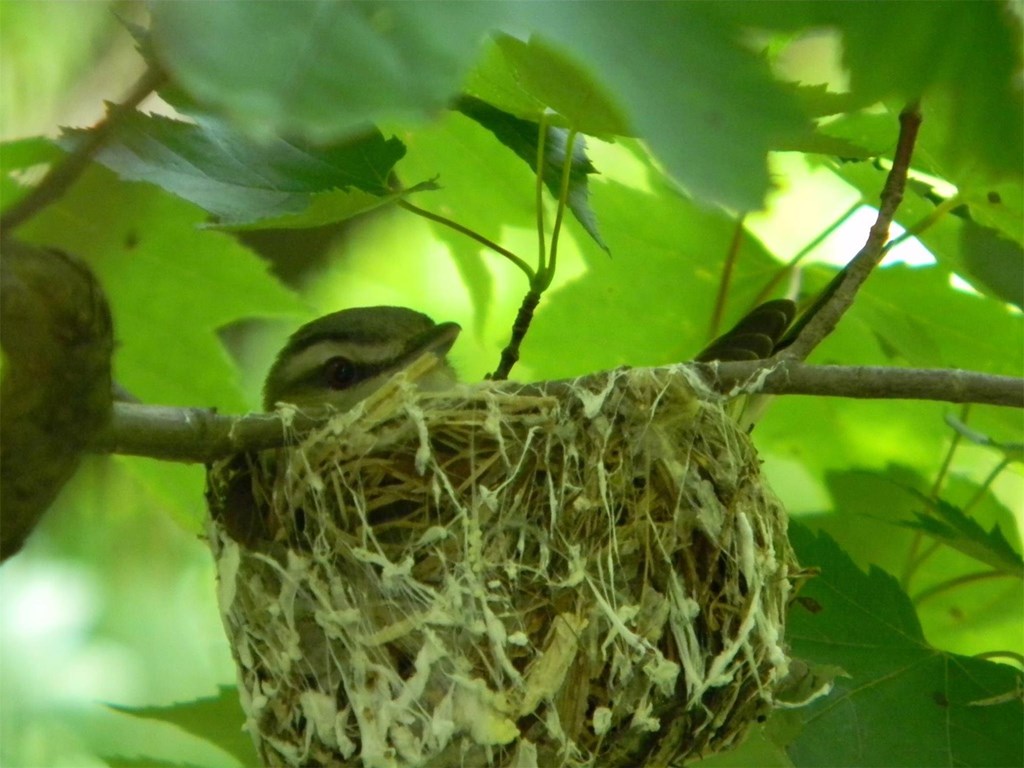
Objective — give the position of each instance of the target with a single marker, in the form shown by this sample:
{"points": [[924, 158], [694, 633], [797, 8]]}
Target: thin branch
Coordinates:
{"points": [[725, 281], [827, 315], [510, 354], [64, 173], [865, 382], [464, 230], [196, 435]]}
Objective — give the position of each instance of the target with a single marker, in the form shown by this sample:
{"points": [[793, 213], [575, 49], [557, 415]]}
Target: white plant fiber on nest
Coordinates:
{"points": [[587, 573]]}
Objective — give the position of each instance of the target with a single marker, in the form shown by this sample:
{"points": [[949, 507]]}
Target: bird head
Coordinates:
{"points": [[341, 358]]}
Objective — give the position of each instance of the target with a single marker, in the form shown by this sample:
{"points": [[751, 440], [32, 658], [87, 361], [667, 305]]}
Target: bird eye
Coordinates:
{"points": [[340, 373]]}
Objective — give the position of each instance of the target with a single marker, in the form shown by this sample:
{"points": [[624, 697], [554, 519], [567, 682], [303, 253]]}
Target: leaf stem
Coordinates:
{"points": [[464, 230], [913, 560], [542, 133], [949, 584], [545, 276], [927, 222], [725, 281]]}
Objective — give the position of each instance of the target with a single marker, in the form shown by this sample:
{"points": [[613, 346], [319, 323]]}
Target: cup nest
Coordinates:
{"points": [[585, 573]]}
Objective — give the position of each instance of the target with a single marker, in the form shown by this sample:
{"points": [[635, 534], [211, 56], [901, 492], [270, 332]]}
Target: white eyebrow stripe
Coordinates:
{"points": [[301, 364]]}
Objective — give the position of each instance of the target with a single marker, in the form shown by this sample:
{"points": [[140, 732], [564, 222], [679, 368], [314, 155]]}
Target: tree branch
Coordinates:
{"points": [[64, 173], [864, 382], [824, 316], [198, 435]]}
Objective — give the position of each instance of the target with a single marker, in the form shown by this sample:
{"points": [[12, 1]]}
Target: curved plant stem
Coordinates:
{"points": [[1016, 658], [464, 230], [546, 275], [542, 134]]}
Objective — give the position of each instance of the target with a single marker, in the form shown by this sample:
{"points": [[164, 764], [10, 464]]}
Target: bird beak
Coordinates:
{"points": [[438, 340]]}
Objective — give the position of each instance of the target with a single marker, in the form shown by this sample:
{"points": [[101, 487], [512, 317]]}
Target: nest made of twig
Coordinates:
{"points": [[584, 573]]}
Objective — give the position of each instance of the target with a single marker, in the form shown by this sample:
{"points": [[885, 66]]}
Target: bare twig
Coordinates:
{"points": [[196, 435], [510, 354], [64, 173], [825, 316]]}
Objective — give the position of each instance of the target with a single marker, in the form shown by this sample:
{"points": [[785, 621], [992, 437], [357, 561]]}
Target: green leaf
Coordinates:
{"points": [[522, 137], [999, 206], [650, 304], [923, 321], [905, 703], [243, 181], [989, 256], [968, 83], [533, 78], [171, 286], [994, 262], [706, 104], [18, 156], [708, 107], [323, 70], [949, 525], [217, 719], [975, 616]]}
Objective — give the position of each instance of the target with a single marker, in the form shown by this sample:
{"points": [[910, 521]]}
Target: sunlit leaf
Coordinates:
{"points": [[967, 82], [995, 262], [533, 78], [706, 105], [523, 137], [218, 719]]}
